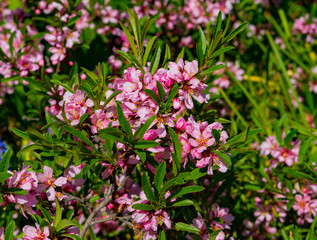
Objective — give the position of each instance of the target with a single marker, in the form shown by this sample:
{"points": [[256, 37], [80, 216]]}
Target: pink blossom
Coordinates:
{"points": [[99, 121], [59, 53], [47, 180], [35, 233]]}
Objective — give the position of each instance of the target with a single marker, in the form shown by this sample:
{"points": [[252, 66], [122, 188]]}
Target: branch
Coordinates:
{"points": [[112, 217], [94, 212], [81, 200]]}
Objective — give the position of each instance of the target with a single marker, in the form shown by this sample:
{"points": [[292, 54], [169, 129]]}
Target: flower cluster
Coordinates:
{"points": [[286, 154], [302, 26]]}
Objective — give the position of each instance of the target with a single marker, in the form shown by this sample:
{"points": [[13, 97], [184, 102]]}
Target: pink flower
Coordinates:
{"points": [[99, 121], [2, 233], [32, 233], [59, 53], [270, 146], [191, 86], [75, 105], [47, 180]]}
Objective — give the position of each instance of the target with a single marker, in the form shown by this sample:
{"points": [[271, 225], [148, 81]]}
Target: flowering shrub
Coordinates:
{"points": [[138, 119]]}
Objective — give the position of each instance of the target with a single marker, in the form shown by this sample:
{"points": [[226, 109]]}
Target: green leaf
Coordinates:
{"points": [[167, 186], [159, 177], [152, 95], [196, 174], [162, 235], [83, 118], [143, 207], [311, 233], [264, 174], [45, 213], [80, 135], [11, 48], [220, 51], [16, 191], [176, 165], [20, 133], [50, 121], [289, 136], [252, 186], [218, 24], [172, 95], [141, 154], [148, 49], [297, 174], [147, 188], [139, 133], [235, 32], [112, 96], [4, 176], [68, 88], [200, 54], [145, 29], [213, 69], [124, 122], [112, 137], [161, 91], [155, 61], [93, 76], [58, 213], [202, 40], [176, 144], [303, 149], [181, 203], [181, 54], [135, 24], [141, 144], [9, 231], [73, 20], [5, 160], [180, 226], [185, 190], [237, 140], [227, 25], [63, 224], [167, 56], [29, 148], [130, 39], [277, 129], [72, 236], [284, 22]]}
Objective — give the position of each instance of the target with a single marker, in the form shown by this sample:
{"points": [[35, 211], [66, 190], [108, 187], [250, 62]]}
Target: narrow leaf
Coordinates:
{"points": [[156, 60], [147, 188], [213, 69], [124, 122], [80, 135], [143, 207], [159, 177], [5, 160], [180, 226]]}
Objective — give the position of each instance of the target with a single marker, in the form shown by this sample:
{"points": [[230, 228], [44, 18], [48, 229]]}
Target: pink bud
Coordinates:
{"points": [[82, 76], [180, 124], [176, 103], [150, 135], [110, 206], [70, 63], [41, 62], [37, 11]]}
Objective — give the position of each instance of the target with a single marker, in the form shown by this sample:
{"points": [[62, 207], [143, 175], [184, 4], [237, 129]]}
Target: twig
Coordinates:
{"points": [[71, 198], [112, 217], [94, 212], [101, 146]]}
